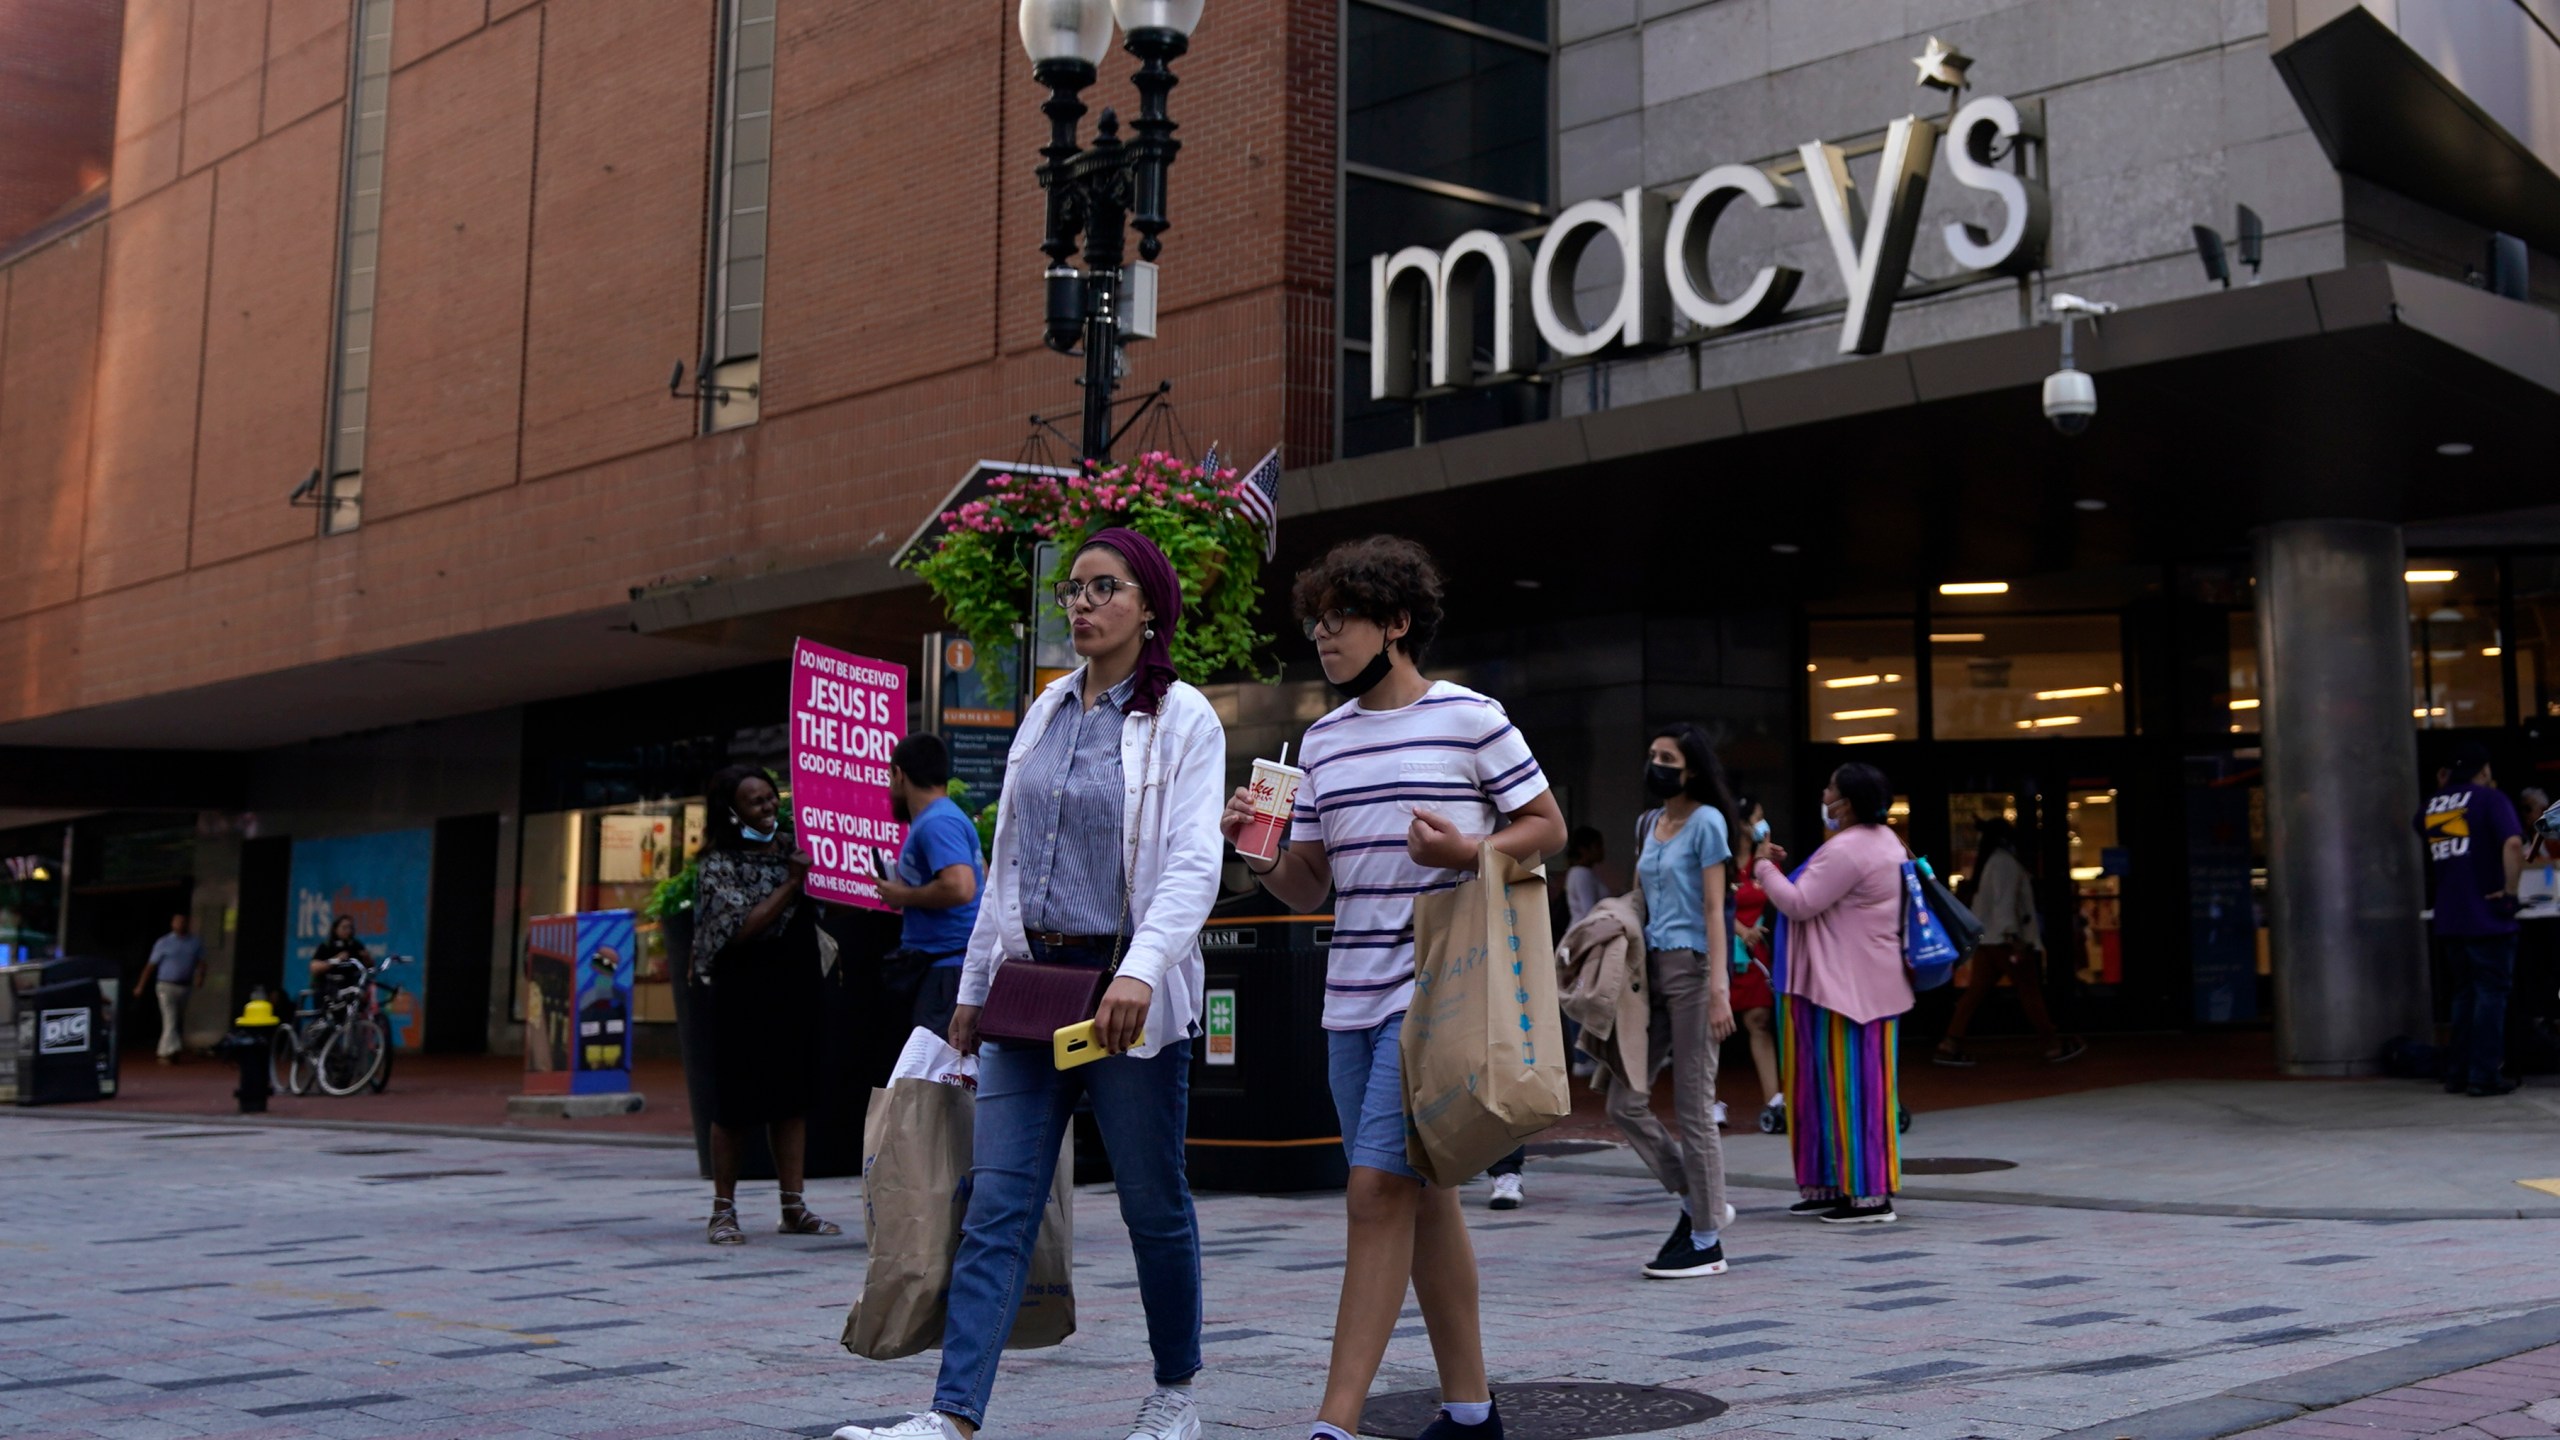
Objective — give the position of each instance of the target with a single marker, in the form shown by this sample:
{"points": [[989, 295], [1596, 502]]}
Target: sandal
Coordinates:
{"points": [[806, 1224], [724, 1224]]}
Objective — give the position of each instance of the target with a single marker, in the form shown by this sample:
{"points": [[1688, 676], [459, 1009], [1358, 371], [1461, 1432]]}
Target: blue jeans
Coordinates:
{"points": [[2486, 966], [1025, 1104]]}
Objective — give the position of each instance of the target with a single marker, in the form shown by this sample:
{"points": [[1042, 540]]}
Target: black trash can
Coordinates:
{"points": [[1262, 1117], [857, 1048], [65, 1032]]}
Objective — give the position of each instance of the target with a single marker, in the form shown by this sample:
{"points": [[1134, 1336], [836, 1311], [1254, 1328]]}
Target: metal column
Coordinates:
{"points": [[2344, 886]]}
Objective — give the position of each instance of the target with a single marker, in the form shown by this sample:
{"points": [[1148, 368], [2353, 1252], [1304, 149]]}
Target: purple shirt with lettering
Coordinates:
{"points": [[2466, 829]]}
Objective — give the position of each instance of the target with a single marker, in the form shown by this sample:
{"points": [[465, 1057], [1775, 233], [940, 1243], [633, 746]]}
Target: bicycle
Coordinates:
{"points": [[342, 1044]]}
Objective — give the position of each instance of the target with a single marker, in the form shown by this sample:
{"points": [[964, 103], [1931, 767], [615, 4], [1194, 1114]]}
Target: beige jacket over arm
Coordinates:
{"points": [[1600, 978]]}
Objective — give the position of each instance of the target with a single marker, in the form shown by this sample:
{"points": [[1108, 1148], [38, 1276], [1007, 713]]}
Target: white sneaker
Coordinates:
{"points": [[1506, 1193], [1168, 1414], [927, 1426]]}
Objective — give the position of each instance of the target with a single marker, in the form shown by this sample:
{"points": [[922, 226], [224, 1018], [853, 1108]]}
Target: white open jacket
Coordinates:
{"points": [[1177, 788]]}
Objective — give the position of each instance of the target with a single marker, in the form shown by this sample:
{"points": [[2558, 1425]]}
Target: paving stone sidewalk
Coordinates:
{"points": [[186, 1280], [2503, 1400]]}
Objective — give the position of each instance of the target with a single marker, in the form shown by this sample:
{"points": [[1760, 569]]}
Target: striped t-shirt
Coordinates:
{"points": [[1452, 752]]}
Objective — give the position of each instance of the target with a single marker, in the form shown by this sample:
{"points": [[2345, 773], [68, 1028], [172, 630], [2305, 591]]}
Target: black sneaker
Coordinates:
{"points": [[1812, 1209], [1444, 1428], [1849, 1212], [2494, 1087], [1681, 1259]]}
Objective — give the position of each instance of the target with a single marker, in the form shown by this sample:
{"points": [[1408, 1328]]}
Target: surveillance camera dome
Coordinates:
{"points": [[2070, 400]]}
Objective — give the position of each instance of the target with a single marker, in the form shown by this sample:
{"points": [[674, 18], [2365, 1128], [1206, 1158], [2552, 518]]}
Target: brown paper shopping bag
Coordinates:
{"points": [[916, 1140], [1484, 1061]]}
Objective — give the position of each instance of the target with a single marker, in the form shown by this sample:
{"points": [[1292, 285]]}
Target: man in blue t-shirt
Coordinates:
{"points": [[2475, 849], [939, 874]]}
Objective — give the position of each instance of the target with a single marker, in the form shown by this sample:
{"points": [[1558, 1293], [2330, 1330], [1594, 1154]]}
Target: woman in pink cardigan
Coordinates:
{"points": [[1844, 992]]}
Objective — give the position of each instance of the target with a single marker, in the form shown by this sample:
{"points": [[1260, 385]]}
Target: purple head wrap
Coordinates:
{"points": [[1163, 590]]}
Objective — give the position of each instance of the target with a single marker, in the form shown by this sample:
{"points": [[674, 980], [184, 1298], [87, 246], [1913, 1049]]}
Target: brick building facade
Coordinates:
{"points": [[165, 370]]}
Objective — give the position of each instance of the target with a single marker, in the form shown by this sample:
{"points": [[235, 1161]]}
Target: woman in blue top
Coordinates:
{"points": [[1688, 940]]}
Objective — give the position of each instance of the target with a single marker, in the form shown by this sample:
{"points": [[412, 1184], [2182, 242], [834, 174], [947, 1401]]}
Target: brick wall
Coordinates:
{"points": [[57, 105], [163, 373]]}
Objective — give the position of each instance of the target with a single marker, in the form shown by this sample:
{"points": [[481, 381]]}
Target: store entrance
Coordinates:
{"points": [[2076, 811]]}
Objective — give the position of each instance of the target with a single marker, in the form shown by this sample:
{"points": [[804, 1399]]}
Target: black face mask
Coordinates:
{"points": [[1661, 781], [1369, 676], [899, 810]]}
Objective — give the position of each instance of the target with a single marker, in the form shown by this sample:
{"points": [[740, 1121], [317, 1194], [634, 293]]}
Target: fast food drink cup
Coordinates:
{"points": [[1275, 799]]}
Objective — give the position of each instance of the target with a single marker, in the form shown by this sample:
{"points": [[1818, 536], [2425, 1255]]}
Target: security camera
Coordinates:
{"points": [[2070, 400], [2070, 396]]}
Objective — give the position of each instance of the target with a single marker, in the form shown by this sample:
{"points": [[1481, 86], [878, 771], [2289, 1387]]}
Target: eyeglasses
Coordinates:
{"points": [[1096, 592], [1330, 623]]}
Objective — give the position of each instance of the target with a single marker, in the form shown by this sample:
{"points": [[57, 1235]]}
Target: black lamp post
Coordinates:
{"points": [[1096, 192]]}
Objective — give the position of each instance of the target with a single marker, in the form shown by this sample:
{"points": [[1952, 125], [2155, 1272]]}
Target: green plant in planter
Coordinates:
{"points": [[672, 896], [980, 569]]}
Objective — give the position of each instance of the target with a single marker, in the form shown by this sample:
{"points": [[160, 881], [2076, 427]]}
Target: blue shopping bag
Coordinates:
{"points": [[1926, 947]]}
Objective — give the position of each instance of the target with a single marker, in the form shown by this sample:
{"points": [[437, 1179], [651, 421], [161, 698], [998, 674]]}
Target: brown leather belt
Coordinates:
{"points": [[1056, 941]]}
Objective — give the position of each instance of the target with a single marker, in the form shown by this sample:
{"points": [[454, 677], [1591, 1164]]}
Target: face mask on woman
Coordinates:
{"points": [[752, 835], [1661, 781], [1759, 829], [1830, 818]]}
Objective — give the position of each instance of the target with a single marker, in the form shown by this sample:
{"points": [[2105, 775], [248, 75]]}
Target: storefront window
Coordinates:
{"points": [[2537, 638], [1997, 677], [2098, 866], [2455, 665], [2244, 674], [1861, 683], [577, 860]]}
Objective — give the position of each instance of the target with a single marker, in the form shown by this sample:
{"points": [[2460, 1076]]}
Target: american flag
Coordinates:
{"points": [[1259, 499]]}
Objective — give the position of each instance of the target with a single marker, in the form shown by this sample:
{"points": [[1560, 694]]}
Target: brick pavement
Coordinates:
{"points": [[2503, 1400], [193, 1280]]}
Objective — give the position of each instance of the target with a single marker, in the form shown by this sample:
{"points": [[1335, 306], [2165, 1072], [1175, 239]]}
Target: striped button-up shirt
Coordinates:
{"points": [[1069, 807]]}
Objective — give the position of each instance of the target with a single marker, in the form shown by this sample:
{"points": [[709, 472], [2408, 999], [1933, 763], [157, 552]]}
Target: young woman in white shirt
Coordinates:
{"points": [[1107, 848]]}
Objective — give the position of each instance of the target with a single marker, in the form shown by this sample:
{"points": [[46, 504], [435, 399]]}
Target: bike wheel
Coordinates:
{"points": [[348, 1061], [382, 1073], [302, 1073]]}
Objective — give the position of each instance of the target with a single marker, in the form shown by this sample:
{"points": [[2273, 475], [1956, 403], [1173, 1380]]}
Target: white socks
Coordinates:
{"points": [[1468, 1412], [1322, 1431]]}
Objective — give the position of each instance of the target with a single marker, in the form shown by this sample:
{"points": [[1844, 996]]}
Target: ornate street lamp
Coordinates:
{"points": [[1095, 192]]}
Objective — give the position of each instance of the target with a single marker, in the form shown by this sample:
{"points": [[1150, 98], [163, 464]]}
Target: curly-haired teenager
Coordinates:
{"points": [[1403, 782]]}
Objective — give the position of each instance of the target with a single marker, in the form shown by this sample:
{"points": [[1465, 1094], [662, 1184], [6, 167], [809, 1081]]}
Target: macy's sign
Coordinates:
{"points": [[1662, 249]]}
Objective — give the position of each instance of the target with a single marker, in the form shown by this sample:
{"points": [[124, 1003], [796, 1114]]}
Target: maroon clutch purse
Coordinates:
{"points": [[1031, 1002]]}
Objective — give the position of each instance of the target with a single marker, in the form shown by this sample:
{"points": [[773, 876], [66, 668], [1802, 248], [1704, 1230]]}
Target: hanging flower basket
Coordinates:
{"points": [[980, 569]]}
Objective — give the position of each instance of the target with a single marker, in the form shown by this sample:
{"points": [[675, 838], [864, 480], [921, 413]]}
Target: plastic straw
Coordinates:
{"points": [[1284, 752]]}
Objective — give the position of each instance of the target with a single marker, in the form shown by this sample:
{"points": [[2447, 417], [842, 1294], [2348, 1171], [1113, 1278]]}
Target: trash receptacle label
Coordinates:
{"points": [[66, 1032], [1222, 1028]]}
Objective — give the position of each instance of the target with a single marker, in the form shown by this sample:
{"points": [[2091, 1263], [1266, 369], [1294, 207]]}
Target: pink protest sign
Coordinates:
{"points": [[847, 716]]}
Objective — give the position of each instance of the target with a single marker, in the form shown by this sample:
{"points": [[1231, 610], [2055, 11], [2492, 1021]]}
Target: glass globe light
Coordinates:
{"points": [[1179, 16], [1055, 30]]}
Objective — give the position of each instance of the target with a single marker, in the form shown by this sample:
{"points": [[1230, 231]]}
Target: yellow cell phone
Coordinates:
{"points": [[1077, 1045]]}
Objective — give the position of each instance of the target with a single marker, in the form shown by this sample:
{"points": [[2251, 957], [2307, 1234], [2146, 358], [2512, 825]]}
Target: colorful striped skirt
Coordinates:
{"points": [[1844, 1100]]}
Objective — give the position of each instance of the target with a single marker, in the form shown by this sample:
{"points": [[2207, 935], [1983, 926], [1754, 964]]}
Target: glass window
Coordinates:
{"points": [[2245, 694], [2456, 671], [2097, 885], [2537, 637], [1999, 677], [1527, 18], [1440, 103], [1861, 684]]}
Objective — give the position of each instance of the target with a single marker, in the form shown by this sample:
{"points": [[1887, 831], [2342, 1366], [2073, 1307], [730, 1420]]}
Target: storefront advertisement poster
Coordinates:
{"points": [[848, 714], [380, 882], [977, 715], [634, 849]]}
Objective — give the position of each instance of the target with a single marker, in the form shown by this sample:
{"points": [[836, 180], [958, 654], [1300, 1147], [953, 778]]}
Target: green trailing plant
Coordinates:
{"points": [[980, 568], [672, 896]]}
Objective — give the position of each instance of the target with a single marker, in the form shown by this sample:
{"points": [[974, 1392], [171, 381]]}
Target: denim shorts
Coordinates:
{"points": [[1367, 1071]]}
